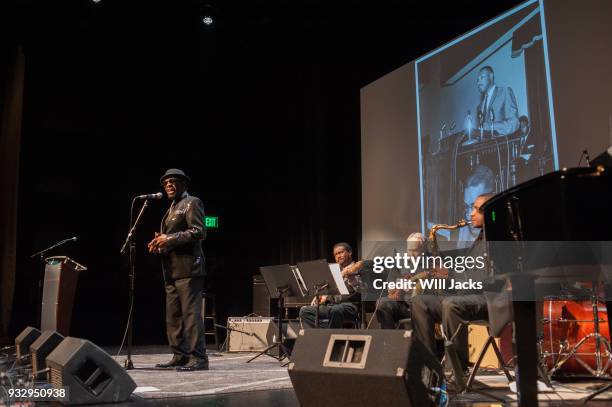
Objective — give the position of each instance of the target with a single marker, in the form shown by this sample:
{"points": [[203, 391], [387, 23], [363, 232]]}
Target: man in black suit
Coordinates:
{"points": [[180, 247]]}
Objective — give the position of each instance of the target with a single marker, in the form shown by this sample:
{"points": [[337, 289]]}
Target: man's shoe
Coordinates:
{"points": [[176, 361], [194, 364]]}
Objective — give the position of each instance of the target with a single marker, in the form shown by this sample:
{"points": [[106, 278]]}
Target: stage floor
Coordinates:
{"points": [[233, 382]]}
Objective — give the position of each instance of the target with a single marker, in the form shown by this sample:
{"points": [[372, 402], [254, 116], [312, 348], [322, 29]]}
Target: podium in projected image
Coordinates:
{"points": [[59, 289]]}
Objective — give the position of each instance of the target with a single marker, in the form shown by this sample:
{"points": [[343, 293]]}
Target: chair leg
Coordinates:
{"points": [[452, 338], [500, 358], [478, 362], [214, 314]]}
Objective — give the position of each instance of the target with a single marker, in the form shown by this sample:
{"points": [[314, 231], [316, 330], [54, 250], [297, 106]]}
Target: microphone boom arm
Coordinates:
{"points": [[61, 242]]}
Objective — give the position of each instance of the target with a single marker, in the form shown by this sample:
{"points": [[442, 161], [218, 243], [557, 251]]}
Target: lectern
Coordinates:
{"points": [[59, 289]]}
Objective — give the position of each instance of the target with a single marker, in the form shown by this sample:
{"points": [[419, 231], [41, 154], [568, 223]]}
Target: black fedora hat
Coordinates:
{"points": [[175, 173]]}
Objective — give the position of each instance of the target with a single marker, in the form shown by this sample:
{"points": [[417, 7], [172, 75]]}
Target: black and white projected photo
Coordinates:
{"points": [[484, 117]]}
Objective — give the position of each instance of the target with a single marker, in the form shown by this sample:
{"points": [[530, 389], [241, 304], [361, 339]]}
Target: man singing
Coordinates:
{"points": [[180, 247]]}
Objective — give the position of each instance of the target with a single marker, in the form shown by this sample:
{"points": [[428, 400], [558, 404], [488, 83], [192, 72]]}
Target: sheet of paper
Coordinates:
{"points": [[300, 281], [336, 272]]}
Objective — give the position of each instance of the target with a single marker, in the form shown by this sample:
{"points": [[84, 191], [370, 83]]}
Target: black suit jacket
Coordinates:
{"points": [[184, 225], [502, 111]]}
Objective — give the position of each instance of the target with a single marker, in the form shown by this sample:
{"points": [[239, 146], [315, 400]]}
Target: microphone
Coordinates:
{"points": [[158, 195], [587, 158]]}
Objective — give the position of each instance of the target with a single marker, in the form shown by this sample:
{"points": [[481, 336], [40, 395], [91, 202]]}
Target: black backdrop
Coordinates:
{"points": [[262, 110]]}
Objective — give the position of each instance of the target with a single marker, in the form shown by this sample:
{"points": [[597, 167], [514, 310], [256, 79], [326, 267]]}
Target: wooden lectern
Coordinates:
{"points": [[59, 289]]}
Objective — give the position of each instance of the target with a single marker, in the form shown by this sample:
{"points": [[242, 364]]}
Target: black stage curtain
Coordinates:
{"points": [[11, 84]]}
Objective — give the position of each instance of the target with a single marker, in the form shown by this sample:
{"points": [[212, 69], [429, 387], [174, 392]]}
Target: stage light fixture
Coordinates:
{"points": [[207, 14]]}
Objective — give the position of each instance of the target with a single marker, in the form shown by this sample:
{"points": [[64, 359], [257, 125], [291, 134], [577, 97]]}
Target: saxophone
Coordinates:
{"points": [[435, 250]]}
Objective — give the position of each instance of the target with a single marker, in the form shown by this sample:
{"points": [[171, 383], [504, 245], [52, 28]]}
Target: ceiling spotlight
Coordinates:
{"points": [[207, 14]]}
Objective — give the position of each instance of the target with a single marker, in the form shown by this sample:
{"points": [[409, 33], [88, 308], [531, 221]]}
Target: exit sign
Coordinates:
{"points": [[211, 222]]}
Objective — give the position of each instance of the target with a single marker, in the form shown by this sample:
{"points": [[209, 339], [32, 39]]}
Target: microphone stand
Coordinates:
{"points": [[41, 273], [129, 241], [318, 288]]}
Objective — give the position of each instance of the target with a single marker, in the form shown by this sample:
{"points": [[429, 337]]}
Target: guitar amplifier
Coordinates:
{"points": [[250, 334], [254, 334]]}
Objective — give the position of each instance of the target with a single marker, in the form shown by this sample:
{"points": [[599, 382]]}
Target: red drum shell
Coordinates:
{"points": [[572, 320]]}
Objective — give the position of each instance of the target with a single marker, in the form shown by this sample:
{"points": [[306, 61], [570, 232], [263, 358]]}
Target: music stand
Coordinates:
{"points": [[322, 278], [281, 281]]}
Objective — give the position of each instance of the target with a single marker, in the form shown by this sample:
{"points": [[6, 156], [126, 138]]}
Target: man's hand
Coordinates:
{"points": [[322, 300], [352, 270], [158, 244], [439, 272], [394, 295]]}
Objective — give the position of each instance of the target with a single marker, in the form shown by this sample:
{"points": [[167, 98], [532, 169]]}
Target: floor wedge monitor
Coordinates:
{"points": [[340, 367]]}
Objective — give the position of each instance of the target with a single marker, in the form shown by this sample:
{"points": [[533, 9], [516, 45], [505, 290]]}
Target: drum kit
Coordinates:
{"points": [[576, 340]]}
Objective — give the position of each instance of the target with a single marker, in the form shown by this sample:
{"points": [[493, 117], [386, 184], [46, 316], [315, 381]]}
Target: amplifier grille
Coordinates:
{"points": [[56, 378], [35, 362]]}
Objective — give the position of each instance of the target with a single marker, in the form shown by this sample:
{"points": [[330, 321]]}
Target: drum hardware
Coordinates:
{"points": [[580, 340]]}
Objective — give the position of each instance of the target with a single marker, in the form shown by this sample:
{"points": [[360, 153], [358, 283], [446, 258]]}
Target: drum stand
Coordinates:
{"points": [[600, 340]]}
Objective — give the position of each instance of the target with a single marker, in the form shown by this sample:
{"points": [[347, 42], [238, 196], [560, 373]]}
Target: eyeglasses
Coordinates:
{"points": [[169, 181], [477, 208]]}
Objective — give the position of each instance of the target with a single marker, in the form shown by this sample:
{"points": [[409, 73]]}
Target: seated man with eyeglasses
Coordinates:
{"points": [[462, 306]]}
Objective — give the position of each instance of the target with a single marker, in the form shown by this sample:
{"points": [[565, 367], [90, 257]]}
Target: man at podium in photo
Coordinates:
{"points": [[497, 110], [180, 247], [334, 310]]}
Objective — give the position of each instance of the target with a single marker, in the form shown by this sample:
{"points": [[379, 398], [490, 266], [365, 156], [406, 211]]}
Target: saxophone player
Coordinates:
{"points": [[451, 311]]}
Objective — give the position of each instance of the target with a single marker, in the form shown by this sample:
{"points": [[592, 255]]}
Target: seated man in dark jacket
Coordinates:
{"points": [[334, 310], [452, 310], [395, 306]]}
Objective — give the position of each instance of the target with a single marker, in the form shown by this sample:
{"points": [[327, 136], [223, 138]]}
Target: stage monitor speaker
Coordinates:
{"points": [[91, 374], [338, 367], [41, 348], [25, 339]]}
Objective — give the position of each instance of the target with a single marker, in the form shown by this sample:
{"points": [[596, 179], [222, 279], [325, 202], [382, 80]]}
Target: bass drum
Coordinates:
{"points": [[567, 321]]}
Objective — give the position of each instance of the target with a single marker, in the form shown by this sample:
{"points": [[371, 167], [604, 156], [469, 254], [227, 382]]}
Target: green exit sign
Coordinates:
{"points": [[211, 222]]}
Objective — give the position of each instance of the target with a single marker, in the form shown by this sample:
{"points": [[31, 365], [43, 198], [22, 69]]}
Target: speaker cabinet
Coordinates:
{"points": [[90, 373], [25, 339], [261, 298], [41, 348], [337, 367]]}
